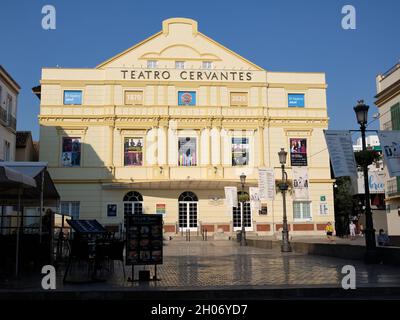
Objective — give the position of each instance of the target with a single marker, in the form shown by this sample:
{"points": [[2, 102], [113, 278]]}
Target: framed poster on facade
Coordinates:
{"points": [[240, 151], [187, 151], [264, 210], [186, 98], [73, 97], [71, 152], [296, 99], [298, 152], [133, 152], [111, 210], [160, 208], [144, 239]]}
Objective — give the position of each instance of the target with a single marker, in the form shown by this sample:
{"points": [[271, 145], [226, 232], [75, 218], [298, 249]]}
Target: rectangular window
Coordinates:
{"points": [[151, 64], [134, 98], [70, 208], [112, 210], [239, 99], [298, 152], [186, 98], [133, 152], [73, 97], [71, 152], [301, 210], [187, 151], [240, 151], [207, 65], [296, 99], [179, 64], [7, 151]]}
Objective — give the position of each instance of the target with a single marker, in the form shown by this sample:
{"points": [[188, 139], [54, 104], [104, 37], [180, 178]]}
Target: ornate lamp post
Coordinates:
{"points": [[283, 186], [243, 232], [361, 110]]}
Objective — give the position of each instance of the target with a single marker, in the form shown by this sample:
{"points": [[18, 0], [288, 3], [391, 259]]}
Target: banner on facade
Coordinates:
{"points": [[231, 197], [340, 148], [266, 184], [298, 152], [300, 183], [376, 182], [390, 143], [255, 202]]}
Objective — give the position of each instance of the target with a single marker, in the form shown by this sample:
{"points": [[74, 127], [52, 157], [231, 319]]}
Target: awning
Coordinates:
{"points": [[32, 173], [10, 178]]}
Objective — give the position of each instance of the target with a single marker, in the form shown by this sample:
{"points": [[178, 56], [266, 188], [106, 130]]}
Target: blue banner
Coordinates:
{"points": [[72, 97], [296, 99], [186, 98]]}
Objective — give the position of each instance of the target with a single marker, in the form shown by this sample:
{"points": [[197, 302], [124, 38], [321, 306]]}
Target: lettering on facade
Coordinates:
{"points": [[187, 75]]}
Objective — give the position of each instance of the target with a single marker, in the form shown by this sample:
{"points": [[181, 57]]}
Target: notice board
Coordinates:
{"points": [[144, 236]]}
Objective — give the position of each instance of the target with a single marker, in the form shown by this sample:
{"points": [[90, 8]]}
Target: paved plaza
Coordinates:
{"points": [[223, 265]]}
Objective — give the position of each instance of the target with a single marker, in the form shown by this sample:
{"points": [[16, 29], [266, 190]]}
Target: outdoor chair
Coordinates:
{"points": [[78, 251], [116, 253]]}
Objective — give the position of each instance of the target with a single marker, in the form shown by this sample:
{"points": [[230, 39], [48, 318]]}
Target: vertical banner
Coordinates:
{"points": [[231, 197], [340, 148], [266, 183], [255, 202], [300, 183], [390, 143], [298, 152]]}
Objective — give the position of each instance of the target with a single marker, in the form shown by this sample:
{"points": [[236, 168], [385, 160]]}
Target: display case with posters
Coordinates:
{"points": [[144, 239], [133, 152]]}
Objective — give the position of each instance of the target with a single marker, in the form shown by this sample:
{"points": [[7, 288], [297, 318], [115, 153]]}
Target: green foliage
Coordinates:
{"points": [[343, 196], [366, 157]]}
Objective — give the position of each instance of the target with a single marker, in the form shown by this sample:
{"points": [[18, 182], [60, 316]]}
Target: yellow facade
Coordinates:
{"points": [[135, 97]]}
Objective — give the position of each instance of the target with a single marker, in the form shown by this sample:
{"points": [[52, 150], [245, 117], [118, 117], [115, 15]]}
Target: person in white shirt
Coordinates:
{"points": [[352, 227]]}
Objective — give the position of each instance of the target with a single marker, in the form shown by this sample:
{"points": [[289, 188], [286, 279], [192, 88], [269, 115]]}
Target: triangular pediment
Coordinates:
{"points": [[179, 40]]}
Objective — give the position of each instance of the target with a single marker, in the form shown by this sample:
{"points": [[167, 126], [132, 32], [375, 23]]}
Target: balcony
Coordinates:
{"points": [[7, 119], [393, 187]]}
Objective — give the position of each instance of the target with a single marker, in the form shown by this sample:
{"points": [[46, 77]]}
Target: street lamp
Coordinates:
{"points": [[283, 186], [243, 232], [361, 110]]}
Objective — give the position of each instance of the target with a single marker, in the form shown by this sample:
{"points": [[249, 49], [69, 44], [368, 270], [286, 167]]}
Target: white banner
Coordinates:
{"points": [[340, 147], [300, 183], [231, 197], [255, 202], [390, 143], [266, 183], [376, 181]]}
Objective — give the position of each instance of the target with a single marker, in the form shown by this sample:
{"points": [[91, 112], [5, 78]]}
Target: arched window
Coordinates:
{"points": [[188, 211], [188, 196], [133, 203], [133, 196], [237, 212]]}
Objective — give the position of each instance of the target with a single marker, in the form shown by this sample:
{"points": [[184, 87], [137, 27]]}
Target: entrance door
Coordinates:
{"points": [[237, 217], [188, 211]]}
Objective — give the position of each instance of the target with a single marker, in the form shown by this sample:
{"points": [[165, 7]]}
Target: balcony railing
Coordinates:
{"points": [[7, 119], [392, 187]]}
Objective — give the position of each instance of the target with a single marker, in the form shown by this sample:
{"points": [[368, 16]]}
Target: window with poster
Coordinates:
{"points": [[71, 152], [133, 152], [186, 98], [240, 151], [187, 151]]}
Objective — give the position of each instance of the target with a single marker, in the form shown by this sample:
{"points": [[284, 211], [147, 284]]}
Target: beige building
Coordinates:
{"points": [[388, 102], [164, 126], [9, 90]]}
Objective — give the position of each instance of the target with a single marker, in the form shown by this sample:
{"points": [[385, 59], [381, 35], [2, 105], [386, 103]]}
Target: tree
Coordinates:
{"points": [[344, 204]]}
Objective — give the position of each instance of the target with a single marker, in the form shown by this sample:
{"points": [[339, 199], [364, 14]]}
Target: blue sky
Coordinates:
{"points": [[277, 35]]}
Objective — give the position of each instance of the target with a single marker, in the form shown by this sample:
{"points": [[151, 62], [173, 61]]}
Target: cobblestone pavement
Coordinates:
{"points": [[226, 265]]}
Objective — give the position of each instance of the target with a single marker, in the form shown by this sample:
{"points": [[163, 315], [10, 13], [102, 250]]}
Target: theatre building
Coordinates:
{"points": [[166, 125]]}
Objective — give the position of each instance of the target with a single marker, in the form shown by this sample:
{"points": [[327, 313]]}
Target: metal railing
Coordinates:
{"points": [[204, 234], [392, 188], [188, 235]]}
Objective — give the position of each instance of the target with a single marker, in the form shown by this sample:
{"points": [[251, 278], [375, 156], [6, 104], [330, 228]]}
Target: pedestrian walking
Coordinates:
{"points": [[329, 231]]}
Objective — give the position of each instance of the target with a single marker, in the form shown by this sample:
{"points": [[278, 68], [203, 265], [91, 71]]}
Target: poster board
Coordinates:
{"points": [[144, 239]]}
